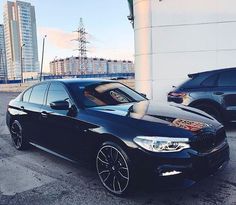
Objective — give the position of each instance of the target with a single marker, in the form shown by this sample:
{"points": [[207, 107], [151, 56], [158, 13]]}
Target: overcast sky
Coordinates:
{"points": [[110, 33]]}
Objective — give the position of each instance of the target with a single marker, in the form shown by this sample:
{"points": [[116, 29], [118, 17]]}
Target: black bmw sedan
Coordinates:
{"points": [[126, 135]]}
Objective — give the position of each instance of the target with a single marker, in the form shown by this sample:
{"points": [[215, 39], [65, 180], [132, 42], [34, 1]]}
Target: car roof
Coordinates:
{"points": [[211, 72], [79, 80]]}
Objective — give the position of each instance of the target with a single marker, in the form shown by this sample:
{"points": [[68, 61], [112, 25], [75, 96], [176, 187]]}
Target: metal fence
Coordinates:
{"points": [[116, 76], [9, 81], [110, 75]]}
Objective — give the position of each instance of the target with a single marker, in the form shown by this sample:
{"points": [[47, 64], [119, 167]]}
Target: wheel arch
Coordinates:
{"points": [[206, 101], [215, 106], [107, 137]]}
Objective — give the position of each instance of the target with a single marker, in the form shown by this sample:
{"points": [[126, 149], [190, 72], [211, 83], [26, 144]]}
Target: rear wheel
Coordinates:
{"points": [[17, 134], [211, 110], [114, 169]]}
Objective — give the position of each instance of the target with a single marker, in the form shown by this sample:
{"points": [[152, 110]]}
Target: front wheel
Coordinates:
{"points": [[17, 134], [114, 169]]}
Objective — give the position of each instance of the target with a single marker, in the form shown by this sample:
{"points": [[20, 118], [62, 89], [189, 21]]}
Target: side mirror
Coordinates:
{"points": [[143, 95], [60, 105]]}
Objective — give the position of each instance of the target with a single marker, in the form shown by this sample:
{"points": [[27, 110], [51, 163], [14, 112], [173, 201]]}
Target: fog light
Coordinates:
{"points": [[171, 173]]}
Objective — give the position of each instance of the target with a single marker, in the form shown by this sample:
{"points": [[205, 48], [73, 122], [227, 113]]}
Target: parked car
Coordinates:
{"points": [[119, 78], [214, 92], [123, 133]]}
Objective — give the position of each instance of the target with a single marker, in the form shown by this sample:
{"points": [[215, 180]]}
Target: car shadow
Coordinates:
{"points": [[230, 126]]}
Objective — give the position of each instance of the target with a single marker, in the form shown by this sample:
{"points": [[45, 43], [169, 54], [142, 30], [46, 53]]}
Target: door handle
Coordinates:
{"points": [[218, 93], [44, 114], [22, 108]]}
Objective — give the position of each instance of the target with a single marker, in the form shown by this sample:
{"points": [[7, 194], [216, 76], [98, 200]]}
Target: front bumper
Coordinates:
{"points": [[187, 163]]}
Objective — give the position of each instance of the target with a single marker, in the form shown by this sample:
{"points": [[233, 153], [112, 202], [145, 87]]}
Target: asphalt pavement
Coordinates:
{"points": [[36, 177]]}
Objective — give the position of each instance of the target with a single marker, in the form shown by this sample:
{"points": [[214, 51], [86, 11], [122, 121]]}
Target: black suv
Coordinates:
{"points": [[213, 92]]}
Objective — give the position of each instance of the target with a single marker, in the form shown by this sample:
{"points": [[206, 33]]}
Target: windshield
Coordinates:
{"points": [[109, 93]]}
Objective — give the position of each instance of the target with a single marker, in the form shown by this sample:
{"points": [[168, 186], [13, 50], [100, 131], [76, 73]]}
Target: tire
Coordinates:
{"points": [[211, 110], [19, 140], [114, 169]]}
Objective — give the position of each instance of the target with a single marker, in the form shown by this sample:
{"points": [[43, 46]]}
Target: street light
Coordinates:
{"points": [[41, 70], [54, 66], [2, 66], [21, 62]]}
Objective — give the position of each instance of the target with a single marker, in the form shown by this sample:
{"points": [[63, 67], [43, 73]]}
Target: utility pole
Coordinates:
{"points": [[21, 62], [1, 64], [4, 66], [41, 70], [82, 47]]}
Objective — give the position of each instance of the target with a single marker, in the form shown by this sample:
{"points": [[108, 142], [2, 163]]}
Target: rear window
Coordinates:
{"points": [[199, 80], [193, 82], [210, 81], [227, 79], [38, 93], [26, 95]]}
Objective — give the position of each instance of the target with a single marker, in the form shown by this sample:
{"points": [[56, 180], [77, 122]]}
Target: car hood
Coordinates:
{"points": [[171, 114]]}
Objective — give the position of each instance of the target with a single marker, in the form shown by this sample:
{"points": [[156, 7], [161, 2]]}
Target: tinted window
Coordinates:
{"points": [[38, 93], [57, 92], [193, 82], [227, 79], [210, 81], [26, 95], [109, 94]]}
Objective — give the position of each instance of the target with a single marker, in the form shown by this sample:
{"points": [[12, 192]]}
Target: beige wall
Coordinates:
{"points": [[176, 37]]}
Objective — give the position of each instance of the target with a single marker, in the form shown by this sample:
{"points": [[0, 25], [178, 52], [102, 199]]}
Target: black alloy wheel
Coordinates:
{"points": [[17, 136], [113, 169]]}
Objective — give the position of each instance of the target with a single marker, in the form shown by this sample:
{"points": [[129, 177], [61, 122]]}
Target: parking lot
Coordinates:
{"points": [[36, 177]]}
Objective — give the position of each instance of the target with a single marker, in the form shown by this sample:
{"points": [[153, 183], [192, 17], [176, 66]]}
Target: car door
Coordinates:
{"points": [[32, 101], [24, 114], [61, 126], [226, 93]]}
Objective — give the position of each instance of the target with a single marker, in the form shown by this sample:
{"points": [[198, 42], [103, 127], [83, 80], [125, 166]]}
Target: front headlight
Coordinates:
{"points": [[162, 144]]}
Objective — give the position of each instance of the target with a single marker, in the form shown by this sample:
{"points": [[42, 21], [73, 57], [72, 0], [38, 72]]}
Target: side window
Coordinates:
{"points": [[38, 92], [57, 92], [227, 79], [210, 81], [26, 95]]}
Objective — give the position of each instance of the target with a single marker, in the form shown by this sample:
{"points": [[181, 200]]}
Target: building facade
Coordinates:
{"points": [[177, 37], [3, 65], [71, 66], [20, 39]]}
